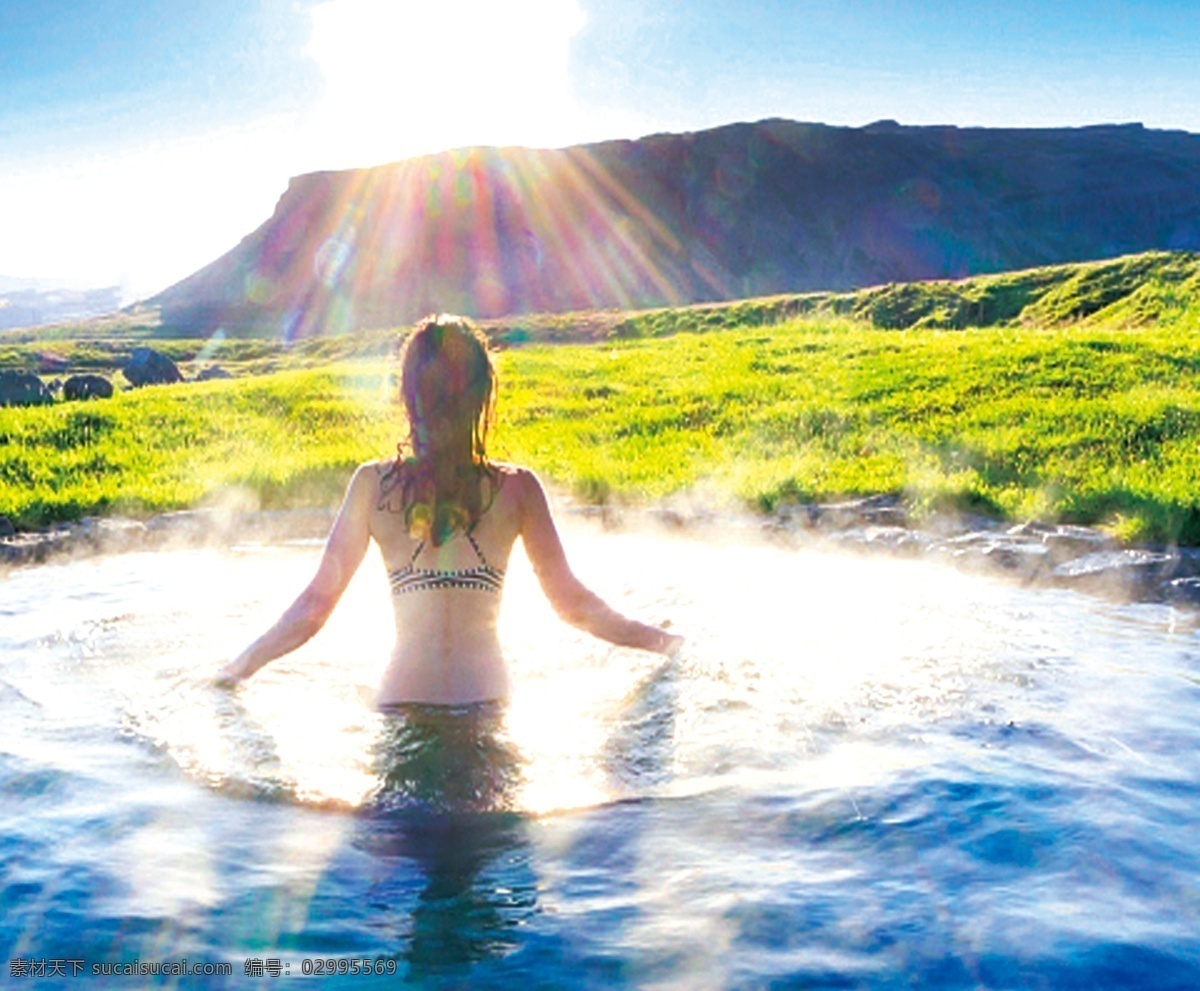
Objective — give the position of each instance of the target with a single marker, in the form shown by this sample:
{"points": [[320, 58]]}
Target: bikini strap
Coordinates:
{"points": [[482, 559]]}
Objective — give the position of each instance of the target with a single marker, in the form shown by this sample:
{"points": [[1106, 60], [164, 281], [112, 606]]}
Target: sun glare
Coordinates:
{"points": [[400, 79], [409, 78]]}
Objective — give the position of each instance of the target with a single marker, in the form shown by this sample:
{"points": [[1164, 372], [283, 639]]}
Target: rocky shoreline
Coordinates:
{"points": [[1031, 553], [185, 528]]}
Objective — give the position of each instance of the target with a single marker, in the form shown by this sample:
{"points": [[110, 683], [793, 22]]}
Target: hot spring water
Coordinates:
{"points": [[860, 773]]}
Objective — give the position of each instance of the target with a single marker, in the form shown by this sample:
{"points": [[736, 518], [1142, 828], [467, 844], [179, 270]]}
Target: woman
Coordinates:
{"points": [[445, 518]]}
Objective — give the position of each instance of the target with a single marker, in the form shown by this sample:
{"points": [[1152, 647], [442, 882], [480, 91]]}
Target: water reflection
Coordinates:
{"points": [[445, 758], [446, 780], [639, 752], [480, 886], [256, 756]]}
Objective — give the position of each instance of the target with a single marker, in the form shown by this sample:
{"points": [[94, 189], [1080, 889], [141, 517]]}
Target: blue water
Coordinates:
{"points": [[862, 773]]}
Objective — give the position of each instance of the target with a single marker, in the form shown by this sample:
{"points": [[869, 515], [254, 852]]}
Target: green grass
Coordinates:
{"points": [[1133, 291], [1072, 424], [280, 440], [1075, 424], [55, 357], [1067, 394]]}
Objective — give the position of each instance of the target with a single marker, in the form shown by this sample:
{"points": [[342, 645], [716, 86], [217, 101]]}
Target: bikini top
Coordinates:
{"points": [[483, 577]]}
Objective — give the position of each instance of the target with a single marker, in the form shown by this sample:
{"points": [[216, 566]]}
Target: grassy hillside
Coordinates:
{"points": [[1090, 426], [1160, 288], [1135, 291], [1081, 403]]}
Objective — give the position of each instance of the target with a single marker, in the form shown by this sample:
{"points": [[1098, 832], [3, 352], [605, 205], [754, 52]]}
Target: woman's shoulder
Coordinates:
{"points": [[371, 479], [371, 472], [521, 491], [515, 477], [381, 466]]}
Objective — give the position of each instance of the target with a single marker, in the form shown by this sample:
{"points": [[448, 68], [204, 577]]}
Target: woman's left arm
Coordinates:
{"points": [[344, 551]]}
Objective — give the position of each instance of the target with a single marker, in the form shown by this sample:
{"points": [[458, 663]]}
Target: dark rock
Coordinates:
{"points": [[1106, 561], [1065, 542], [22, 389], [87, 387], [110, 533], [1068, 542], [898, 539], [1189, 562], [6, 527], [96, 534], [1125, 573], [90, 534], [998, 552], [213, 372], [23, 548], [148, 367], [879, 510], [16, 550], [1182, 591]]}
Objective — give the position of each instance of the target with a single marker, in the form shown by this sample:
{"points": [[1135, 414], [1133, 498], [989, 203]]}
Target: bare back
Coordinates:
{"points": [[446, 601]]}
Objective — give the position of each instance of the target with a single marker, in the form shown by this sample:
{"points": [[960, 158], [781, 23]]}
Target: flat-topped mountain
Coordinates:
{"points": [[736, 211]]}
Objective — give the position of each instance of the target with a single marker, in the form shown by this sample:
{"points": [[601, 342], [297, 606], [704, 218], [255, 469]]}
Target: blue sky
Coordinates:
{"points": [[140, 140]]}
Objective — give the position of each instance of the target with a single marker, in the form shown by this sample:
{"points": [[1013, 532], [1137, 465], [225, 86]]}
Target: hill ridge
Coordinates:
{"points": [[736, 211]]}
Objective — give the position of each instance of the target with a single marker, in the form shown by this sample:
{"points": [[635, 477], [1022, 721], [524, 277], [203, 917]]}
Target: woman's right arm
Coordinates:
{"points": [[344, 551], [571, 599]]}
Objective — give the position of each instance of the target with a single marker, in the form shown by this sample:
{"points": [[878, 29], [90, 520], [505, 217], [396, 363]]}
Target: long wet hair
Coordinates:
{"points": [[442, 474]]}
